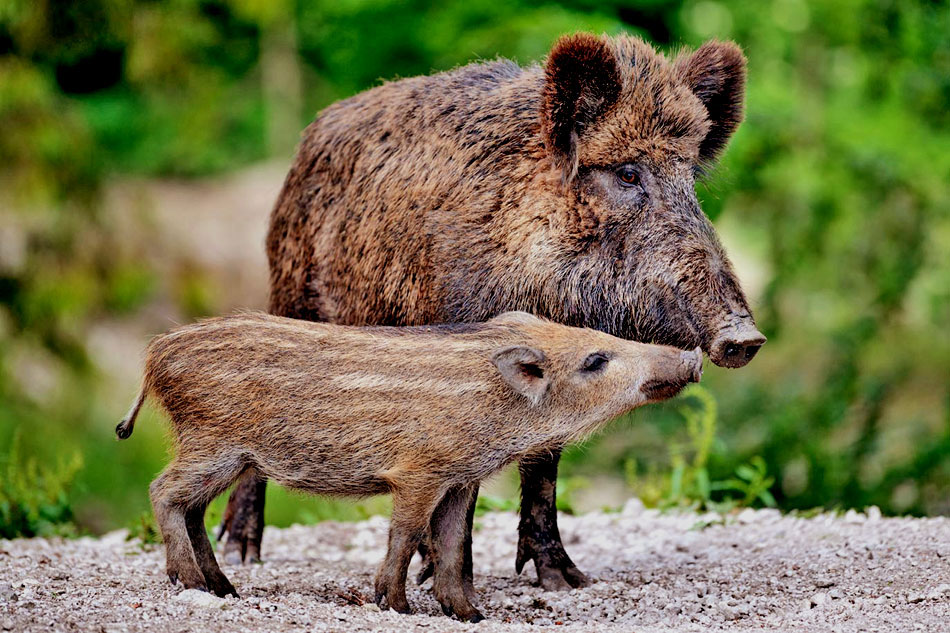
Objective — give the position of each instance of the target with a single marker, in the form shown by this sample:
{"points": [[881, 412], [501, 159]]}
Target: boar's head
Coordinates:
{"points": [[626, 132]]}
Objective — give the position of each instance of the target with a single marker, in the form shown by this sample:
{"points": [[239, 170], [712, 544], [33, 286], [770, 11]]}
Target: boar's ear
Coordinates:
{"points": [[582, 81], [523, 369], [715, 73]]}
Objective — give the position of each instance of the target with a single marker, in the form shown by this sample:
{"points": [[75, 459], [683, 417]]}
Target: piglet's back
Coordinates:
{"points": [[253, 368]]}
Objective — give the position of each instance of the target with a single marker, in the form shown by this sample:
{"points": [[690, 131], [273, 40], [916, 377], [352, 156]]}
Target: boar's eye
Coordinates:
{"points": [[628, 176], [595, 362]]}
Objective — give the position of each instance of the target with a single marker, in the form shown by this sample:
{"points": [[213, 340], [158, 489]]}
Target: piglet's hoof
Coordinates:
{"points": [[385, 601], [465, 614], [189, 580], [222, 587]]}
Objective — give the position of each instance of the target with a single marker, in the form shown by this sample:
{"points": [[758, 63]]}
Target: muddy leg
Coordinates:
{"points": [[243, 520], [450, 532], [468, 577], [411, 512], [427, 563], [217, 582], [538, 537], [180, 561]]}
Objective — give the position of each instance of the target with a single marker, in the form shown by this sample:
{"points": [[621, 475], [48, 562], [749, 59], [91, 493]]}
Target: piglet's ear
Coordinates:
{"points": [[523, 369], [582, 82], [715, 73]]}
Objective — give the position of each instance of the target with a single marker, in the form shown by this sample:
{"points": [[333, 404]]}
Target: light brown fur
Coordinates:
{"points": [[421, 413]]}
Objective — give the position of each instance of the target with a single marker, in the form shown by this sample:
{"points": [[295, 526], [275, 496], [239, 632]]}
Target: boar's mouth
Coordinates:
{"points": [[663, 389]]}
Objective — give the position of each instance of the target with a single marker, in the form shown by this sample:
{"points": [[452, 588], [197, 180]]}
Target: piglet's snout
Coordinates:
{"points": [[694, 364], [671, 371]]}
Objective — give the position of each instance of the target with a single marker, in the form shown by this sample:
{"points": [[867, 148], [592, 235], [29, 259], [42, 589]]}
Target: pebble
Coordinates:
{"points": [[196, 598], [7, 594]]}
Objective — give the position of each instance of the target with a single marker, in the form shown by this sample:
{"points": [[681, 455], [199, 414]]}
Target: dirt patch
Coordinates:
{"points": [[654, 572]]}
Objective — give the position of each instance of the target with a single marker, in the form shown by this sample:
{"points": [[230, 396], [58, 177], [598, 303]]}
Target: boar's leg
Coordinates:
{"points": [[427, 563], [243, 520], [538, 536], [169, 506], [450, 530], [412, 509], [217, 582]]}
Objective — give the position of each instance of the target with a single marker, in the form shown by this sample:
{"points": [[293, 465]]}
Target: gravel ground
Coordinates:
{"points": [[653, 571]]}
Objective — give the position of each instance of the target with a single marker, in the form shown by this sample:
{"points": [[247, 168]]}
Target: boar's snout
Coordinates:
{"points": [[736, 344]]}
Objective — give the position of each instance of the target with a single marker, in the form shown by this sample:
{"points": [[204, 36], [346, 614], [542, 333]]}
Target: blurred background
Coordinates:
{"points": [[143, 143]]}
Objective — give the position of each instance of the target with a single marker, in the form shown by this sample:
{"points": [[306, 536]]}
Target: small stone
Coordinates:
{"points": [[727, 612], [371, 606], [7, 594], [633, 507], [7, 624], [824, 583], [747, 516], [198, 598], [873, 513], [854, 517], [819, 599], [939, 591]]}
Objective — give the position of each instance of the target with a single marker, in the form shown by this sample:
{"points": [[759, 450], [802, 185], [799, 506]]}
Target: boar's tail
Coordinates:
{"points": [[125, 427]]}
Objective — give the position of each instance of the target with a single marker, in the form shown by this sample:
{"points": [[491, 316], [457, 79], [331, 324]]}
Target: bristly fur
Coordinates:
{"points": [[582, 82], [442, 199], [716, 74]]}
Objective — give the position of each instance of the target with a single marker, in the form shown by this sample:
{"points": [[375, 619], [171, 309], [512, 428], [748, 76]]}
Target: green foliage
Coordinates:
{"points": [[145, 529], [688, 482], [34, 499], [491, 503]]}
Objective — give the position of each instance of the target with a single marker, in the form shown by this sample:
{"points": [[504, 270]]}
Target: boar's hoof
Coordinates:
{"points": [[556, 571], [239, 548]]}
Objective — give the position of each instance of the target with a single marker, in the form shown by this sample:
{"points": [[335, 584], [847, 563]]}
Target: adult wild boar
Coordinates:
{"points": [[566, 191]]}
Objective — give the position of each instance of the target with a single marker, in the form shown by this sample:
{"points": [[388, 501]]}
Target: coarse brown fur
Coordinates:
{"points": [[491, 187], [421, 413]]}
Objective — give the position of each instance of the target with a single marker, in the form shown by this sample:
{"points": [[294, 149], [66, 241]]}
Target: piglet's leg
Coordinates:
{"points": [[169, 509], [450, 534], [427, 562], [538, 536], [468, 576], [411, 511], [217, 582]]}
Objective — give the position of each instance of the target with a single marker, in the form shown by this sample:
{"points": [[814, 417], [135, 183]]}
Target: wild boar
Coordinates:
{"points": [[565, 190], [421, 413]]}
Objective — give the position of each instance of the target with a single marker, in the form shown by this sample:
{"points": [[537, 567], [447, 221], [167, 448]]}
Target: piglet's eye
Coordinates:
{"points": [[595, 362], [628, 176]]}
